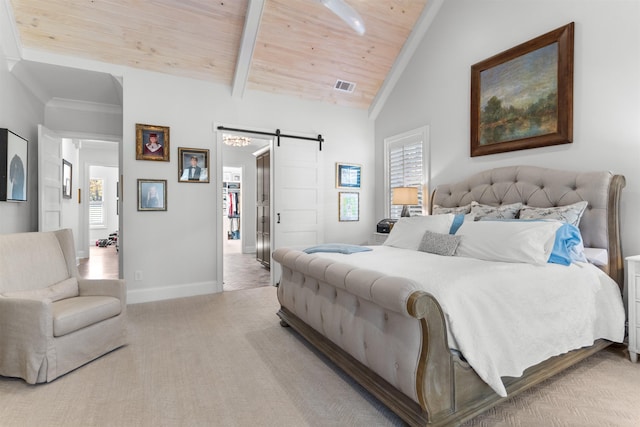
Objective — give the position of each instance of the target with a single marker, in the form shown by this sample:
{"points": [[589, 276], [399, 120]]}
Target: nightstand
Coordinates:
{"points": [[377, 239], [633, 296]]}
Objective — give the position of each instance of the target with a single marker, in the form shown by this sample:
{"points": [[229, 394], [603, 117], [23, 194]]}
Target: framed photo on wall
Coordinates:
{"points": [[67, 178], [152, 142], [193, 165], [523, 97], [348, 175], [152, 194], [348, 206], [14, 168]]}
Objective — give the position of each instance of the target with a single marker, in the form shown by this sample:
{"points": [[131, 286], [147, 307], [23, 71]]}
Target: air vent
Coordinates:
{"points": [[344, 86]]}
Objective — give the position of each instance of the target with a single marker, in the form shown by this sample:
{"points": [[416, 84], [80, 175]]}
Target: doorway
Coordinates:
{"points": [[241, 269], [102, 219]]}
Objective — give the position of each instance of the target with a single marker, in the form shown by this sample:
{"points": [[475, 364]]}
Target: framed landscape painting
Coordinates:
{"points": [[523, 97]]}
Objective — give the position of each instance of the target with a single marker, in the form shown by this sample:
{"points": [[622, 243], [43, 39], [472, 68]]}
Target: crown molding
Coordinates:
{"points": [[74, 104]]}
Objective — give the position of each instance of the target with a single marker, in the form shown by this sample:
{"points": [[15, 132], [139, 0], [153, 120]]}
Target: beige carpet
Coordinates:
{"points": [[223, 360]]}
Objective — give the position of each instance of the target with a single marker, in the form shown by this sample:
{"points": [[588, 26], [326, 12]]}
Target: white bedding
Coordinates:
{"points": [[506, 317]]}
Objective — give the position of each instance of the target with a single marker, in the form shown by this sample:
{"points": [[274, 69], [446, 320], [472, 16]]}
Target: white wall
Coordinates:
{"points": [[435, 88], [174, 252], [105, 155], [20, 112], [84, 118]]}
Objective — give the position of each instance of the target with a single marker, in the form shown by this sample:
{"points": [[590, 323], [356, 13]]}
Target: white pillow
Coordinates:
{"points": [[508, 241], [408, 231]]}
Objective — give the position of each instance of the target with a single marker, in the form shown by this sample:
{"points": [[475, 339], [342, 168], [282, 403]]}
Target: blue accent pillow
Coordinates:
{"points": [[457, 222], [340, 248], [568, 246]]}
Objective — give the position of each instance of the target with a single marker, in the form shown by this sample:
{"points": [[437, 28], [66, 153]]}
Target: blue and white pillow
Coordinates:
{"points": [[570, 214]]}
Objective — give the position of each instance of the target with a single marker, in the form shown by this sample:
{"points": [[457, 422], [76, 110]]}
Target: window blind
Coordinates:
{"points": [[405, 170], [96, 213]]}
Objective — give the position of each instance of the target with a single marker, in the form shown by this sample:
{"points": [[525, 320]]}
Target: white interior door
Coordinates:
{"points": [[49, 180], [296, 214]]}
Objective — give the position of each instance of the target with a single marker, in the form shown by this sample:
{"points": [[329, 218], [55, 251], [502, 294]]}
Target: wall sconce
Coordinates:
{"points": [[407, 196]]}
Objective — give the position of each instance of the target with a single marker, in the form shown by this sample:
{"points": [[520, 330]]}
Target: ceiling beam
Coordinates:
{"points": [[247, 45], [413, 41]]}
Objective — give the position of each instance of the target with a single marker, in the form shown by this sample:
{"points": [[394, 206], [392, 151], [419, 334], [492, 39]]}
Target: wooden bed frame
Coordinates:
{"points": [[447, 390]]}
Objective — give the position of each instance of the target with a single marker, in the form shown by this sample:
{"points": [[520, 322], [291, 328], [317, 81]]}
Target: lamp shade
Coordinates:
{"points": [[404, 196]]}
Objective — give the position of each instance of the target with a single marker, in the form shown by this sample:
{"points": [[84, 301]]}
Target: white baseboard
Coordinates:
{"points": [[249, 250], [136, 296]]}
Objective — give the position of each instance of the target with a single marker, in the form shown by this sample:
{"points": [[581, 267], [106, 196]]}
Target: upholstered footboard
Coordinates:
{"points": [[392, 339], [380, 329]]}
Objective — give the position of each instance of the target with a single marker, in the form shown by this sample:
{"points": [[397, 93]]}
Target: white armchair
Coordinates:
{"points": [[51, 321]]}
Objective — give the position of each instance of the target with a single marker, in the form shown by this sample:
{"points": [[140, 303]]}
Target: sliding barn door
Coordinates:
{"points": [[297, 201]]}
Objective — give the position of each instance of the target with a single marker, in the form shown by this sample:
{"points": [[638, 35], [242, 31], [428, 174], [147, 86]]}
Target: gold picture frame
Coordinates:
{"points": [[523, 97], [193, 165], [152, 142]]}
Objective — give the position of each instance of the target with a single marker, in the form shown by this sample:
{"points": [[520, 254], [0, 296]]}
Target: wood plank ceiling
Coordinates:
{"points": [[301, 48]]}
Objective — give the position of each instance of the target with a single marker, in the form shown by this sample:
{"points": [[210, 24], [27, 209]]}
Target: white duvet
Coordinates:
{"points": [[506, 317]]}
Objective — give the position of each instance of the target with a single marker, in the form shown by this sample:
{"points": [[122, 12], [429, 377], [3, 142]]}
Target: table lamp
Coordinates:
{"points": [[407, 196]]}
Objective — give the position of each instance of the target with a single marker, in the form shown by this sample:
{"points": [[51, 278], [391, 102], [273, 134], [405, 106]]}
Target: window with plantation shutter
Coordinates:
{"points": [[406, 166], [96, 202]]}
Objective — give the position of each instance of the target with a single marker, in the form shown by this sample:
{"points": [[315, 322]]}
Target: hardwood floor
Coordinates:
{"points": [[101, 264], [241, 271]]}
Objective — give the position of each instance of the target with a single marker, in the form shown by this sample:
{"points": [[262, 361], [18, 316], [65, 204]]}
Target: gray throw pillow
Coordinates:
{"points": [[439, 244]]}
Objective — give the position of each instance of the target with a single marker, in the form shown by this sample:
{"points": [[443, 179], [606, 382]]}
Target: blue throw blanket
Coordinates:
{"points": [[340, 248]]}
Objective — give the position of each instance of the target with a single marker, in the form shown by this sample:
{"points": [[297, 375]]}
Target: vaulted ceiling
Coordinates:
{"points": [[292, 47]]}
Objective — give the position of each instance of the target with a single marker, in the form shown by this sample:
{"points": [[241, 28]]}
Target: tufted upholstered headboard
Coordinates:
{"points": [[542, 187]]}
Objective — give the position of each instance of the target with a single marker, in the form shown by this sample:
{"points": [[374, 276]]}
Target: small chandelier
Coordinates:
{"points": [[236, 141]]}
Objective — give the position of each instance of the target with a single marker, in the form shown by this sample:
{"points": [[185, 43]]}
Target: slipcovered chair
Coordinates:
{"points": [[52, 321]]}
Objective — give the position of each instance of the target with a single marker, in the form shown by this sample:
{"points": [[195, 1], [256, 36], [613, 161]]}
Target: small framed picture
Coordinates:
{"points": [[193, 165], [13, 167], [66, 179], [152, 194], [348, 206], [348, 175], [152, 142]]}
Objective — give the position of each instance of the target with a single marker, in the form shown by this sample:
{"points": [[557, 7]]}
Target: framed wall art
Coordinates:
{"points": [[348, 206], [14, 167], [348, 175], [193, 165], [523, 97], [67, 179], [152, 142], [152, 194]]}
